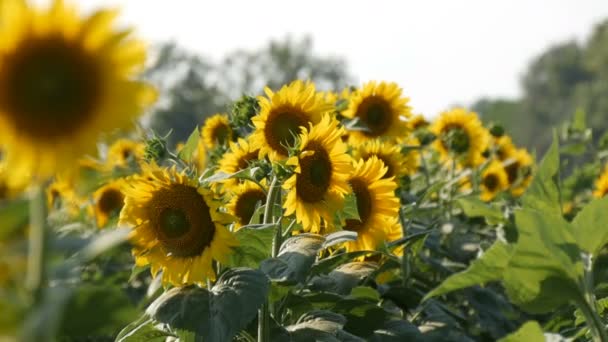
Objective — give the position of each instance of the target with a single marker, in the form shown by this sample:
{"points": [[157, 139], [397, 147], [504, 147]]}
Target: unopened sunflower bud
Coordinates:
{"points": [[243, 110], [156, 149], [497, 130]]}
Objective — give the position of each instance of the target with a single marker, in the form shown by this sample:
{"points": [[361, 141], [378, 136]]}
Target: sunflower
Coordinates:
{"points": [[398, 164], [377, 205], [381, 109], [243, 203], [216, 131], [519, 171], [64, 80], [503, 147], [107, 202], [494, 179], [177, 227], [316, 189], [238, 158], [124, 151], [281, 116], [61, 195], [418, 122], [460, 134], [601, 185]]}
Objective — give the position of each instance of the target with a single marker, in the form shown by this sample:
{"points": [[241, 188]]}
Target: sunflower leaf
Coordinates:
{"points": [[590, 227], [339, 237], [296, 256], [474, 207], [529, 331], [189, 148], [254, 246]]}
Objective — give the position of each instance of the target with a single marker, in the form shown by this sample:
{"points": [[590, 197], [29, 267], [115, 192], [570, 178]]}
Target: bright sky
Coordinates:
{"points": [[440, 52]]}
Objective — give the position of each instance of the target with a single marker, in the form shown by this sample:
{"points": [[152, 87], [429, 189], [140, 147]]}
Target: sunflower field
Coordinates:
{"points": [[296, 215]]}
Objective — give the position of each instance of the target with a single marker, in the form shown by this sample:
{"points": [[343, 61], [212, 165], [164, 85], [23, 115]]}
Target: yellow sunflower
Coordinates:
{"points": [[177, 227], [125, 151], [519, 171], [216, 131], [61, 195], [398, 164], [64, 80], [381, 110], [107, 202], [460, 134], [377, 205], [418, 122], [244, 199], [281, 116], [601, 185], [316, 189], [503, 147], [494, 179], [238, 158]]}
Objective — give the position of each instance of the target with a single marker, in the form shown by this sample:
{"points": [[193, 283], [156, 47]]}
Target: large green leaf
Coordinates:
{"points": [[489, 267], [529, 332], [543, 192], [344, 278], [215, 315], [142, 330], [296, 256], [187, 152], [320, 325], [254, 246], [474, 207], [591, 226]]}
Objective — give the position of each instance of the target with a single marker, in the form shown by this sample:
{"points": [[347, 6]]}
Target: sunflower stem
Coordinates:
{"points": [[37, 244]]}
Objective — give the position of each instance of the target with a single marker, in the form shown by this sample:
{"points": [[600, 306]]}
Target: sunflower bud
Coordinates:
{"points": [[156, 149], [497, 130], [243, 110]]}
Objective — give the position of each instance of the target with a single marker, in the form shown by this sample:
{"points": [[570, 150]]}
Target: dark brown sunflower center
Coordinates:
{"points": [[181, 219], [512, 172], [246, 203], [491, 182], [243, 162], [315, 176], [283, 127], [49, 86], [221, 134], [111, 201], [364, 205], [375, 113], [126, 153], [455, 139]]}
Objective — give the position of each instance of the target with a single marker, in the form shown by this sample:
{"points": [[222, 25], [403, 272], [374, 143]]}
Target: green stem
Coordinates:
{"points": [[37, 244], [594, 321], [425, 168]]}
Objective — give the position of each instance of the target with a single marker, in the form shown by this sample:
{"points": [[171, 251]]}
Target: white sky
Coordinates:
{"points": [[440, 52]]}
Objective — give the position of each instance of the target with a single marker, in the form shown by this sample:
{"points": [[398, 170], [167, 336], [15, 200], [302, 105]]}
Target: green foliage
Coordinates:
{"points": [[187, 152], [530, 331]]}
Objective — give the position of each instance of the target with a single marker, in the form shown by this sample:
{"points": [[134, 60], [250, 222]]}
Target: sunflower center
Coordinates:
{"points": [[512, 172], [364, 205], [455, 139], [375, 113], [111, 200], [181, 219], [246, 203], [221, 134], [491, 182], [315, 176], [49, 86], [243, 162], [283, 127]]}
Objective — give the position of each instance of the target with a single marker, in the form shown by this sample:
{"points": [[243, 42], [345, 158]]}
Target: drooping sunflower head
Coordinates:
{"points": [[283, 114], [381, 109], [316, 189], [64, 80], [216, 131], [124, 152], [377, 205], [238, 158], [601, 185], [398, 164], [503, 147], [245, 199], [519, 171], [108, 200], [177, 227], [460, 134], [494, 179]]}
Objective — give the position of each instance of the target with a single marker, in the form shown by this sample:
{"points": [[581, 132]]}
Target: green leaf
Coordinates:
{"points": [[365, 292], [590, 228], [474, 207], [254, 246], [320, 325], [489, 267], [339, 237], [397, 331], [579, 121], [189, 148], [296, 256], [327, 265], [349, 211], [14, 215], [142, 330], [543, 192], [215, 315], [344, 278], [529, 332]]}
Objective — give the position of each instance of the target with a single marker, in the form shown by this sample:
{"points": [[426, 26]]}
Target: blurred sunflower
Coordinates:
{"points": [[238, 158], [316, 189], [125, 151], [398, 164], [61, 195], [601, 185], [519, 171], [494, 179], [244, 199], [107, 202], [461, 134], [64, 80], [177, 227], [381, 109], [418, 122], [377, 205], [281, 116], [503, 147], [216, 131]]}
